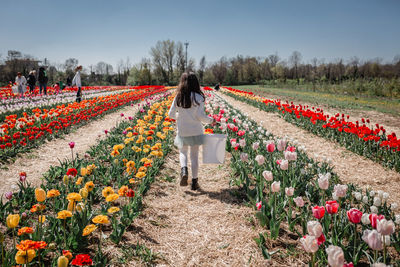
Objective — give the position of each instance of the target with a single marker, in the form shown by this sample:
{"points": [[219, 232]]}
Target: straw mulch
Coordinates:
{"points": [[38, 161], [211, 227], [350, 167]]}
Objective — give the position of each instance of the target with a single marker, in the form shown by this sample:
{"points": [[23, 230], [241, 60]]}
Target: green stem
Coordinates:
{"points": [[384, 250], [65, 239], [312, 259], [13, 231], [355, 242]]}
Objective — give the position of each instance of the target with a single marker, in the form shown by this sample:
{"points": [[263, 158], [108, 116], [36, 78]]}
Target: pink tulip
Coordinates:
{"points": [[335, 256], [242, 142], [271, 147], [122, 115], [284, 164], [71, 145], [8, 195], [281, 144], [314, 228], [385, 227], [276, 187], [290, 155], [340, 190], [268, 175], [260, 159], [289, 191], [291, 148], [373, 239], [24, 215], [374, 218], [348, 264], [241, 133], [354, 215], [299, 202], [255, 145], [309, 243], [244, 157], [259, 205], [323, 182]]}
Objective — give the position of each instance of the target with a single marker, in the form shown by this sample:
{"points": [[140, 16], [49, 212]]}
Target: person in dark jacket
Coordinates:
{"points": [[217, 87], [32, 81], [43, 79], [69, 81]]}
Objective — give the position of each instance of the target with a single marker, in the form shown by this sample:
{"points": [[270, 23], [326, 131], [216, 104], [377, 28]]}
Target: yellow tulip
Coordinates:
{"points": [[84, 193], [25, 256], [42, 218], [64, 214], [12, 220], [89, 229], [62, 261], [40, 194]]}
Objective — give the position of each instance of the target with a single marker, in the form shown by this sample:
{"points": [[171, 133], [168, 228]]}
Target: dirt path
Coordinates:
{"points": [[206, 228], [38, 161], [350, 167]]}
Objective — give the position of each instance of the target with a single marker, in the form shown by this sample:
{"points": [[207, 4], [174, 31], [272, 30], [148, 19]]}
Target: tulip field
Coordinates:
{"points": [[84, 210]]}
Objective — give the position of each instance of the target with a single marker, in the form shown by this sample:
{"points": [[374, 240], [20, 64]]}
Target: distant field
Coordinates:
{"points": [[385, 105]]}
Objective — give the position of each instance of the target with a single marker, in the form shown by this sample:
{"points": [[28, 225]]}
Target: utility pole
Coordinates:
{"points": [[186, 45]]}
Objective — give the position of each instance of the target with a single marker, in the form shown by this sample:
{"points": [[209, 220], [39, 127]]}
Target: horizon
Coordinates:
{"points": [[92, 31]]}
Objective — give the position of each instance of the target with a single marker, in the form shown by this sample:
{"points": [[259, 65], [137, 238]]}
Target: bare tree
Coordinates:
{"points": [[295, 60]]}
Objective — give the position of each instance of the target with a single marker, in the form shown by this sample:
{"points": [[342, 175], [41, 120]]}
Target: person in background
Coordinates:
{"points": [[189, 104], [56, 88], [68, 81], [32, 81], [217, 87], [77, 81], [20, 81], [43, 79]]}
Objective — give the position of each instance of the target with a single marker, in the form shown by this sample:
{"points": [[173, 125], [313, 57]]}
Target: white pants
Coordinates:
{"points": [[194, 158]]}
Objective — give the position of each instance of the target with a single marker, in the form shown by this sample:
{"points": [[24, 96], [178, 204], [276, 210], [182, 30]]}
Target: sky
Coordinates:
{"points": [[111, 30]]}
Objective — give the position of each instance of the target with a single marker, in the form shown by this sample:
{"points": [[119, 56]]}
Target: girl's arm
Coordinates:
{"points": [[73, 81], [172, 110], [201, 115]]}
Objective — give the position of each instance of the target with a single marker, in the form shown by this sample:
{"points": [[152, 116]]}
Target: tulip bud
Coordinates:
{"points": [[62, 261], [377, 201], [40, 194], [42, 218], [66, 179], [276, 187], [365, 200], [374, 209], [268, 175], [12, 220], [52, 246], [314, 228], [299, 201], [84, 193], [309, 243], [289, 191], [335, 256], [365, 219], [323, 182]]}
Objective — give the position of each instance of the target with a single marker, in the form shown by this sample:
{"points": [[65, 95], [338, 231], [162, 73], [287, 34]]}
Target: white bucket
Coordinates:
{"points": [[214, 148]]}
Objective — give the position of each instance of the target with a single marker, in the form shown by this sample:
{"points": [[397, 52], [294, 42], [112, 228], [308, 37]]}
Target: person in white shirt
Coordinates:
{"points": [[20, 80], [189, 104], [77, 81]]}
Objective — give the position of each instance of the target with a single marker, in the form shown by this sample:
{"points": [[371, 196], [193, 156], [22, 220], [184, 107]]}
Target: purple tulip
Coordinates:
{"points": [[8, 195]]}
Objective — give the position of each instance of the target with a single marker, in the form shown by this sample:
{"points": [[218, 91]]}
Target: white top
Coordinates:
{"points": [[20, 81], [77, 79], [189, 119]]}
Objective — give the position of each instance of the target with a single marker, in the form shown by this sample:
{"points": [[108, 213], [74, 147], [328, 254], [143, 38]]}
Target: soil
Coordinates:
{"points": [[209, 227]]}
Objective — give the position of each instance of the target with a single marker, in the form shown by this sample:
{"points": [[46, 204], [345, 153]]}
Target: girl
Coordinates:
{"points": [[189, 103], [21, 83]]}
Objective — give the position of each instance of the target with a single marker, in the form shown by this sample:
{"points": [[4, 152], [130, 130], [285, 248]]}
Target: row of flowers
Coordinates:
{"points": [[26, 104], [20, 134], [6, 93], [337, 224], [87, 204], [361, 137]]}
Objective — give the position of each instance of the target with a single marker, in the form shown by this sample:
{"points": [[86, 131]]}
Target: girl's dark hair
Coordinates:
{"points": [[188, 84]]}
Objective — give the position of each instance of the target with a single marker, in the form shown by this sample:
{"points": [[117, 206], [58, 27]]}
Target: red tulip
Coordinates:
{"points": [[375, 218], [354, 215], [332, 207], [271, 147], [71, 145], [321, 239], [130, 193], [318, 212]]}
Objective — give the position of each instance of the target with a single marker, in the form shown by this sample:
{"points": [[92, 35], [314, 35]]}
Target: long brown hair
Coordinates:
{"points": [[188, 84]]}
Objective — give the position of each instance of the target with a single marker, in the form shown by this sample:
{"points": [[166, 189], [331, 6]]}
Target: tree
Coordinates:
{"points": [[295, 60]]}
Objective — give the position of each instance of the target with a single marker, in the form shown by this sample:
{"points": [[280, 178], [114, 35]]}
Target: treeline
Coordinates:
{"points": [[101, 73], [167, 61]]}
